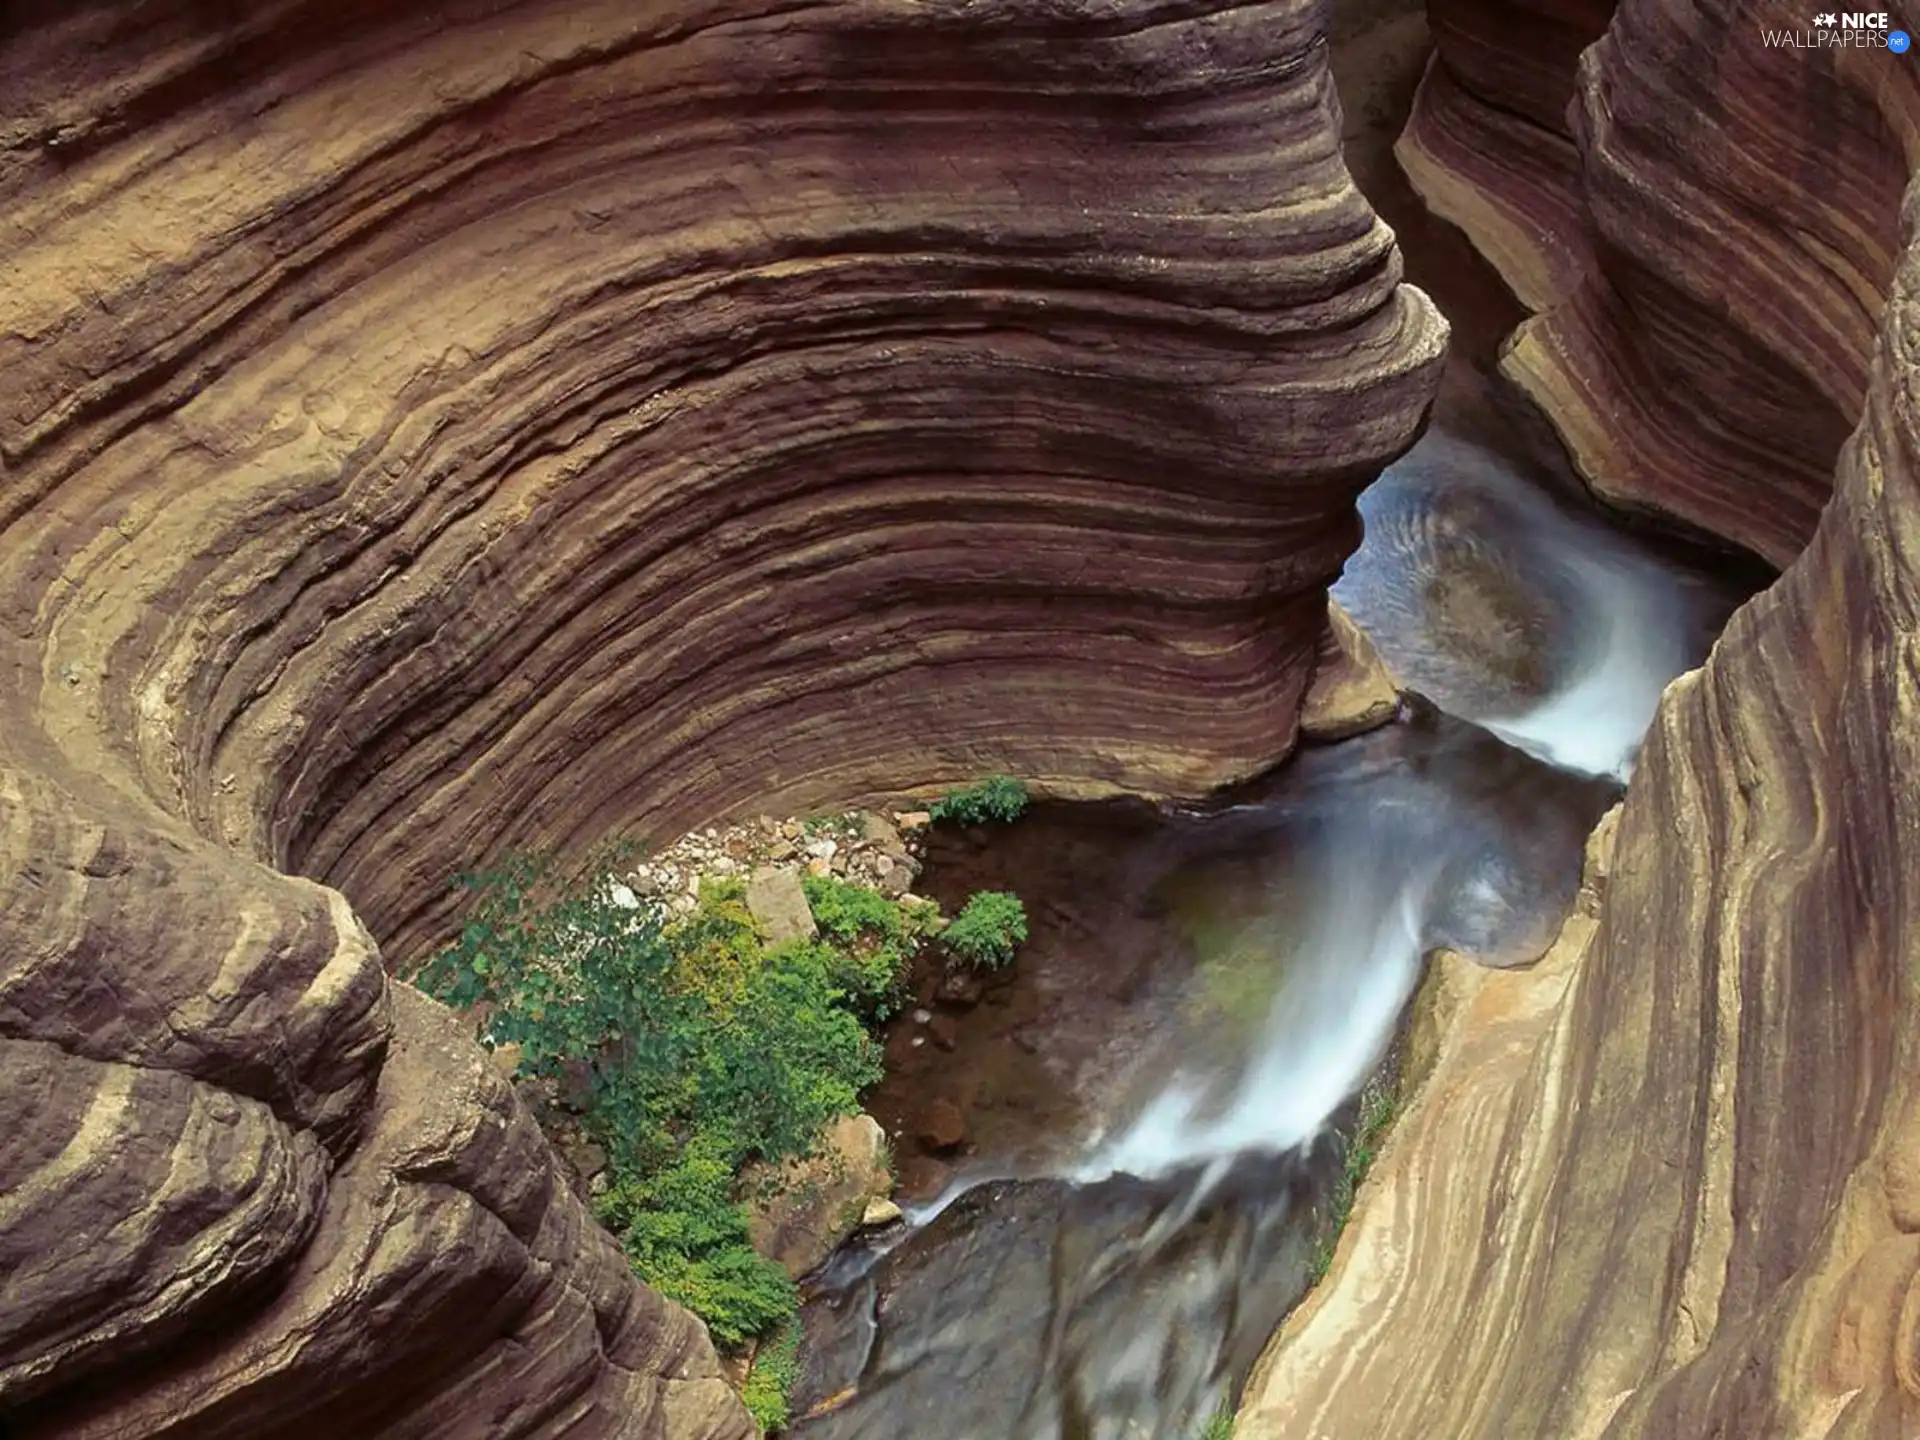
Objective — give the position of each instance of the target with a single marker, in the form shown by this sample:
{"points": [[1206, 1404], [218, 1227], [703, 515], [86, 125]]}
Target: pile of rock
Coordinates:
{"points": [[882, 851]]}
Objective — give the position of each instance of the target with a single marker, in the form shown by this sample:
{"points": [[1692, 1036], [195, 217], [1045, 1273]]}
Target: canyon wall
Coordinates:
{"points": [[427, 432], [1667, 1182], [1705, 226]]}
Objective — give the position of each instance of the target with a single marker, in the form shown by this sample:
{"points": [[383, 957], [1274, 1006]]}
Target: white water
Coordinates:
{"points": [[1635, 624], [1328, 1026], [1633, 629], [1641, 623], [1347, 970]]}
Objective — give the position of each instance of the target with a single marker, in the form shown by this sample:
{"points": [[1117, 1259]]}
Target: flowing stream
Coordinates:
{"points": [[1112, 1256]]}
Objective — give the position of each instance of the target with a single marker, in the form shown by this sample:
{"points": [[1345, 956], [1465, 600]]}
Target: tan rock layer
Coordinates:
{"points": [[431, 432], [1664, 1184], [1706, 239]]}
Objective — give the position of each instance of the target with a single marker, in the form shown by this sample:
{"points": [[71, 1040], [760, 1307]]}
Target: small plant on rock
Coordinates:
{"points": [[872, 940], [1378, 1107], [997, 798], [770, 1381], [989, 930]]}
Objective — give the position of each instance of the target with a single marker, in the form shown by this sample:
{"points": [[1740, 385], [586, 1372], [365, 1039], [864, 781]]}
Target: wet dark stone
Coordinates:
{"points": [[1018, 1314], [942, 1127]]}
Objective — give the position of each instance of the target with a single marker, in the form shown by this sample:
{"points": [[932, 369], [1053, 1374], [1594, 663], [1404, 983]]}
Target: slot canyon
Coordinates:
{"points": [[436, 432]]}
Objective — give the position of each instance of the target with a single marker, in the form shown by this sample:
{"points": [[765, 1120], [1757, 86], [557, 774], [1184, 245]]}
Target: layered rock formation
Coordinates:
{"points": [[1664, 1184], [1705, 224], [434, 431]]}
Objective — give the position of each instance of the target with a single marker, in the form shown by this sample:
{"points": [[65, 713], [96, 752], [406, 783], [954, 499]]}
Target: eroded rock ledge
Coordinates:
{"points": [[1706, 227], [428, 433], [1665, 1183]]}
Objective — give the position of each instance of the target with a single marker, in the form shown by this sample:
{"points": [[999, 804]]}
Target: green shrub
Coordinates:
{"points": [[770, 1381], [1219, 1425], [686, 1235], [700, 1050], [989, 930], [1377, 1108], [873, 940], [998, 797]]}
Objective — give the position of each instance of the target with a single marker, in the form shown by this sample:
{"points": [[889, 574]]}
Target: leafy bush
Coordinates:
{"points": [[1219, 1425], [990, 928], [998, 797], [873, 939], [775, 1369], [700, 1051]]}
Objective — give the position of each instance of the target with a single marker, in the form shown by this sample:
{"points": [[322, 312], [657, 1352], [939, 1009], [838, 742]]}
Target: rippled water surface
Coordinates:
{"points": [[1207, 988]]}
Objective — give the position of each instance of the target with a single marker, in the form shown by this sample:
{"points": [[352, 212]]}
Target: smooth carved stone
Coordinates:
{"points": [[1661, 1184], [452, 1288], [1352, 690], [435, 432], [1706, 243], [137, 1199]]}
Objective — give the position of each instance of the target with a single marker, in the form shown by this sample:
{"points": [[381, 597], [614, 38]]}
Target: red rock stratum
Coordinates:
{"points": [[1667, 1183], [429, 433], [1706, 226]]}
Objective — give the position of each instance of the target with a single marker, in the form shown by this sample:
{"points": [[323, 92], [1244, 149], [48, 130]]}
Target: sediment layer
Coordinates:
{"points": [[1705, 225], [433, 433]]}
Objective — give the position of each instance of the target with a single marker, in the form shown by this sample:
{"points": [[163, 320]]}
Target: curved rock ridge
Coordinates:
{"points": [[427, 433], [1667, 1182], [1706, 226]]}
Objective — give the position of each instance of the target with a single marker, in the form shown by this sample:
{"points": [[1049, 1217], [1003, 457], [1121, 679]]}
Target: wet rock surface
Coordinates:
{"points": [[1041, 1308]]}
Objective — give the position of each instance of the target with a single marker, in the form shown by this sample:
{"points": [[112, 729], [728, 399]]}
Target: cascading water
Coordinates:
{"points": [[1125, 1286]]}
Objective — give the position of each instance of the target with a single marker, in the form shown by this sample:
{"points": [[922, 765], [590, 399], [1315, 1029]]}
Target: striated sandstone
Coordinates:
{"points": [[1353, 688], [1705, 226], [427, 432], [1663, 1184]]}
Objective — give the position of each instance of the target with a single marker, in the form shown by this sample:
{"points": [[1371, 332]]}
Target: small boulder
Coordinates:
{"points": [[896, 882], [879, 832], [914, 819], [880, 1211], [777, 902], [961, 989], [799, 1213], [941, 1127]]}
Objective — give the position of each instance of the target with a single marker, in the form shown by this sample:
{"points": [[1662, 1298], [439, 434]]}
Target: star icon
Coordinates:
{"points": [[1824, 21]]}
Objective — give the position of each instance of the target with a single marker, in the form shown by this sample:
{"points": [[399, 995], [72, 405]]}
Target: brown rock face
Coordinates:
{"points": [[1705, 224], [801, 1212], [1663, 1184], [427, 432]]}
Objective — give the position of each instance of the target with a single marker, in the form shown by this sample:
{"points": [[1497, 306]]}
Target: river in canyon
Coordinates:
{"points": [[1154, 1095]]}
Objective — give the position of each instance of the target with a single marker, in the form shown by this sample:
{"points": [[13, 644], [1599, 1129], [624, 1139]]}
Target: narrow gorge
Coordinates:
{"points": [[430, 434]]}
